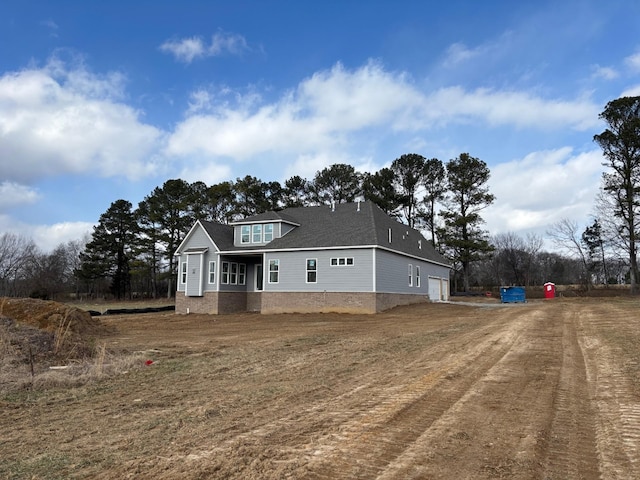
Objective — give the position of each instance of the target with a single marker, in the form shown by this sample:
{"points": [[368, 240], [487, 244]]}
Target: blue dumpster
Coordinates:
{"points": [[512, 295]]}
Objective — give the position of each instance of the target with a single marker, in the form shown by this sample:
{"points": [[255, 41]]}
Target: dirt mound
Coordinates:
{"points": [[50, 328], [50, 316]]}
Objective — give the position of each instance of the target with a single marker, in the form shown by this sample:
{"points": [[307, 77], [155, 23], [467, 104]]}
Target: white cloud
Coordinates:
{"points": [[189, 49], [185, 50], [327, 110], [48, 237], [606, 73], [57, 120], [210, 173], [459, 53], [631, 92], [519, 109], [12, 194], [542, 188], [633, 61]]}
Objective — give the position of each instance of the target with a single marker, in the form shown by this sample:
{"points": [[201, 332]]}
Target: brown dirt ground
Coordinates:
{"points": [[543, 390]]}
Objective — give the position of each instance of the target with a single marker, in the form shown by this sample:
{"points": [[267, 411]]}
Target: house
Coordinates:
{"points": [[349, 257]]}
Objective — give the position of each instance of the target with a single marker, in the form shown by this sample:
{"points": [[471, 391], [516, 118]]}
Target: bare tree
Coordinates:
{"points": [[15, 252], [565, 235]]}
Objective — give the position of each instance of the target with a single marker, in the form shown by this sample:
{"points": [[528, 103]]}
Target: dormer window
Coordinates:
{"points": [[268, 232], [245, 234], [256, 233]]}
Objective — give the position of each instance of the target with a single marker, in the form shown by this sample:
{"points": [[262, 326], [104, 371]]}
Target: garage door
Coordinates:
{"points": [[434, 289]]}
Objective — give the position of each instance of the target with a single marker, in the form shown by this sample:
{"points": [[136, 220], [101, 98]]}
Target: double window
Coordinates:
{"points": [[233, 273]]}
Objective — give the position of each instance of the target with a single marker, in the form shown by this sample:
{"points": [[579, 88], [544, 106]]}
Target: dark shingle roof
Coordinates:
{"points": [[222, 235], [346, 225], [267, 217], [353, 224]]}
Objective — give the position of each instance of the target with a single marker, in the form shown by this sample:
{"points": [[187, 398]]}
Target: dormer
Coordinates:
{"points": [[260, 230]]}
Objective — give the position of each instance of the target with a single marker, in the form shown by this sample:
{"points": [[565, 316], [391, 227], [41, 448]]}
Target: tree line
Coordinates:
{"points": [[131, 250]]}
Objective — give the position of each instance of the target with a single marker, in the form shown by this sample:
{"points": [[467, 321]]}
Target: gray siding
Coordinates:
{"points": [[197, 239], [194, 275], [293, 274], [392, 273]]}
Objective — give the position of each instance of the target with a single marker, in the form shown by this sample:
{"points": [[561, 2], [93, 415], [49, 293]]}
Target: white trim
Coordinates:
{"points": [[200, 282], [277, 262], [340, 247], [307, 271], [374, 287]]}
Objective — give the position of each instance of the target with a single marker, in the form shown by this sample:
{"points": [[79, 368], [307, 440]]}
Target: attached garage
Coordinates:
{"points": [[438, 289]]}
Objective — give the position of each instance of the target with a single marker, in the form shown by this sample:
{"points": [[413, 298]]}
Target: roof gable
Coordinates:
{"points": [[220, 236]]}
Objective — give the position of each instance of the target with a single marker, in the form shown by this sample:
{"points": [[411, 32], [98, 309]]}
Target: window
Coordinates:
{"points": [[233, 273], [274, 266], [225, 273], [268, 232], [242, 273], [245, 234], [212, 272], [256, 236], [183, 276], [418, 276], [342, 261], [410, 275], [233, 276], [312, 271]]}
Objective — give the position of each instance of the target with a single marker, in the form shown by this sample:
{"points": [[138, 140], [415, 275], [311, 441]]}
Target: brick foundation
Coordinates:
{"points": [[293, 302], [298, 302]]}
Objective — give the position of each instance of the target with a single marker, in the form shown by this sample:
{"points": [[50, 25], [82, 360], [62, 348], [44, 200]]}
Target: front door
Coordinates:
{"points": [[259, 277]]}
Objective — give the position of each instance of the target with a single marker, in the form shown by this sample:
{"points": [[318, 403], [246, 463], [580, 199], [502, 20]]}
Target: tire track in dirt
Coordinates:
{"points": [[609, 338], [365, 413], [493, 431], [366, 445], [571, 440]]}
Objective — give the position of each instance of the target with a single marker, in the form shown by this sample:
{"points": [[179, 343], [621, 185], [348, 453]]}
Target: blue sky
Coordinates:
{"points": [[107, 100]]}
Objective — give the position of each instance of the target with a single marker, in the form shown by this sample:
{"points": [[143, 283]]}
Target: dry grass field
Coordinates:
{"points": [[543, 390]]}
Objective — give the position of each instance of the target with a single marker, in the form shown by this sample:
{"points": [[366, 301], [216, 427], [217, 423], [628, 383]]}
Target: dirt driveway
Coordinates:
{"points": [[544, 390]]}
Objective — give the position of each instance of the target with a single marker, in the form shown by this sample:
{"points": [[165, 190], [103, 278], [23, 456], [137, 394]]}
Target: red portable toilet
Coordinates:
{"points": [[549, 290]]}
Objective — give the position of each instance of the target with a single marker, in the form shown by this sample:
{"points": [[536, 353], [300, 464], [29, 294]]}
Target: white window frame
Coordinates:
{"points": [[313, 271], [233, 273], [183, 273], [410, 275], [274, 262], [245, 230], [256, 231], [417, 276], [242, 273], [341, 262], [212, 272], [268, 236], [224, 273]]}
